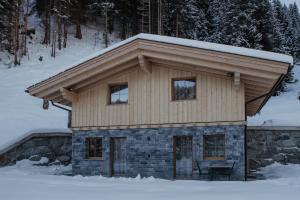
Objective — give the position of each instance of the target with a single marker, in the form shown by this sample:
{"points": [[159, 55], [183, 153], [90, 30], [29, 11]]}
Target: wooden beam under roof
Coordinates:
{"points": [[210, 64], [144, 64], [236, 80], [69, 95]]}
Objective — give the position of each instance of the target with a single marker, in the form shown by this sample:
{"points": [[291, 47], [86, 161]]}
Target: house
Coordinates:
{"points": [[159, 106]]}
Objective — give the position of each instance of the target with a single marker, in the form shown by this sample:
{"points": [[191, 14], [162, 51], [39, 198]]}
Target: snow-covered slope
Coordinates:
{"points": [[20, 112], [283, 110]]}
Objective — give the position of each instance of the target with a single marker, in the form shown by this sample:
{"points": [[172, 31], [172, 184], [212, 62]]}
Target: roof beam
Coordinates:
{"points": [[69, 95], [236, 80], [144, 64], [211, 64]]}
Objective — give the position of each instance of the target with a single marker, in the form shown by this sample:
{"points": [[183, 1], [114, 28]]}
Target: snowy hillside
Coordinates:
{"points": [[283, 110], [20, 112]]}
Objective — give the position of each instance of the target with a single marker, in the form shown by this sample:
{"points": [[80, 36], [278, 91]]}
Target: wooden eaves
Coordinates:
{"points": [[259, 76]]}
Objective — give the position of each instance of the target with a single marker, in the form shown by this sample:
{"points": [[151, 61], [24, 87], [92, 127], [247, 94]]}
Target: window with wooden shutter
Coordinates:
{"points": [[93, 148]]}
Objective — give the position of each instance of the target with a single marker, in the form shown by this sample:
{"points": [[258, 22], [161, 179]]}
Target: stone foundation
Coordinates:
{"points": [[149, 151]]}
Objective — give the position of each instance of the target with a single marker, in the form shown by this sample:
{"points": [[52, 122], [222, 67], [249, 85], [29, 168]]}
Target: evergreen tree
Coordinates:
{"points": [[215, 16], [263, 15], [195, 24], [278, 31], [240, 26], [295, 28]]}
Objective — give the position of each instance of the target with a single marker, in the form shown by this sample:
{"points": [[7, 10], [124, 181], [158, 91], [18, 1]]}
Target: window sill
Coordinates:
{"points": [[214, 158], [91, 159], [184, 100], [117, 104]]}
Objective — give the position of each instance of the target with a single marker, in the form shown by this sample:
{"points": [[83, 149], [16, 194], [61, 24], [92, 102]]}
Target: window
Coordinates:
{"points": [[184, 89], [93, 148], [118, 94], [214, 147]]}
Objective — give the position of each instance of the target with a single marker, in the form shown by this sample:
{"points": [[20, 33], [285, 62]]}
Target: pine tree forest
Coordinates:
{"points": [[260, 24]]}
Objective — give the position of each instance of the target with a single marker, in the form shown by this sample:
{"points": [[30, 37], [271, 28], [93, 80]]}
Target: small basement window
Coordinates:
{"points": [[214, 147], [118, 94], [183, 89], [93, 148]]}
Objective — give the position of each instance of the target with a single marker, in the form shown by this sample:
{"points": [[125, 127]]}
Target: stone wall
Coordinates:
{"points": [[149, 151], [269, 144], [56, 146], [154, 147]]}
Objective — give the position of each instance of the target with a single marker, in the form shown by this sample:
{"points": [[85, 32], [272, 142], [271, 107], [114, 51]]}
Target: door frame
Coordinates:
{"points": [[111, 154], [174, 151]]}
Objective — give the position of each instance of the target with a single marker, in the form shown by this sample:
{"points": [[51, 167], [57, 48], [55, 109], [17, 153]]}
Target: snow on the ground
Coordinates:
{"points": [[20, 112], [279, 171], [27, 182], [282, 110]]}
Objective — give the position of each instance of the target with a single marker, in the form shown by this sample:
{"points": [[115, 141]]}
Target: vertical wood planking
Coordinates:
{"points": [[150, 100]]}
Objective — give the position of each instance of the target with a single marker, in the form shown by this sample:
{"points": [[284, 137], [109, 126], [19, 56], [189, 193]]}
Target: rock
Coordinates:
{"points": [[42, 150], [66, 148], [254, 164], [266, 162], [291, 150], [288, 143], [292, 158], [57, 162], [281, 157], [282, 137], [35, 158], [4, 160], [64, 159]]}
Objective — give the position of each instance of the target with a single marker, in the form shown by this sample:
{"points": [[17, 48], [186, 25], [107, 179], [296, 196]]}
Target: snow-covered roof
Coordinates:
{"points": [[215, 47], [185, 42], [192, 43], [201, 45]]}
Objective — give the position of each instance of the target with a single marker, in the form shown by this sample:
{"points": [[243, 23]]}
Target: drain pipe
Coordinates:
{"points": [[61, 107], [66, 109]]}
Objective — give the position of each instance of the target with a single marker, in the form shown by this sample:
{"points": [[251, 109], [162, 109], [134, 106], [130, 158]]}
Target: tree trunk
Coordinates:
{"points": [[16, 33], [24, 51], [47, 25], [177, 24], [159, 18], [105, 34], [65, 33], [53, 52], [59, 32], [78, 30], [78, 21]]}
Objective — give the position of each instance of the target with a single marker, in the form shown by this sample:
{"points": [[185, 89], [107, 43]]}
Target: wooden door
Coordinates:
{"points": [[183, 156], [118, 156]]}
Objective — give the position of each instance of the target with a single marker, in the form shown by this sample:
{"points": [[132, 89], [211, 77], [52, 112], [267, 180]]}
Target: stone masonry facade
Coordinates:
{"points": [[149, 151]]}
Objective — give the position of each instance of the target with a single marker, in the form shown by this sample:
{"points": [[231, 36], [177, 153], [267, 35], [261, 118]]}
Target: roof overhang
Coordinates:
{"points": [[260, 74]]}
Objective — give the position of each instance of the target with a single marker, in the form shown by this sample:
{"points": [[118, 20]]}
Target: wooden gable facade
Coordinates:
{"points": [[228, 86], [150, 100]]}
